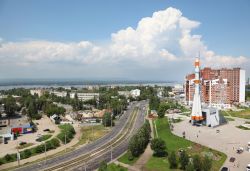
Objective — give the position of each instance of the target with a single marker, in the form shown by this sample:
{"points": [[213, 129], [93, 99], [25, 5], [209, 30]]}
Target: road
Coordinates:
{"points": [[93, 162]]}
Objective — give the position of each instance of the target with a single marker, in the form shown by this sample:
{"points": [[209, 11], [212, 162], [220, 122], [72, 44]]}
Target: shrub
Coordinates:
{"points": [[68, 131], [173, 160], [159, 147]]}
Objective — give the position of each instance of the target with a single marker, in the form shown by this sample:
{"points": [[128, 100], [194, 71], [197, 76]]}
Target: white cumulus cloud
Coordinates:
{"points": [[163, 38]]}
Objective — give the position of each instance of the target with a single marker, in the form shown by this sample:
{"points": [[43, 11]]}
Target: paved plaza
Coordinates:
{"points": [[226, 140]]}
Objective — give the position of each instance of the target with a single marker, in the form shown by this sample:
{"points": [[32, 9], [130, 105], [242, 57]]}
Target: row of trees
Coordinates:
{"points": [[196, 163], [139, 141], [51, 144]]}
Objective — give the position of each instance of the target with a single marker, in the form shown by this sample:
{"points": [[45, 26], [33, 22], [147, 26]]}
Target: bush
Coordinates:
{"points": [[197, 163], [103, 166], [39, 149], [184, 159], [10, 157], [68, 131], [159, 147], [206, 164], [190, 167], [130, 156], [27, 153], [172, 159], [1, 161]]}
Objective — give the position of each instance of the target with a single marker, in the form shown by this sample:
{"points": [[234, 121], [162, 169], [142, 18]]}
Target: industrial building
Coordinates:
{"points": [[219, 87]]}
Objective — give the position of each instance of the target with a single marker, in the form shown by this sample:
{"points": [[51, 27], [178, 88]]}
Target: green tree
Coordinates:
{"points": [[162, 109], [172, 159], [184, 159], [103, 166], [32, 110], [206, 164], [106, 119], [159, 147], [10, 105], [197, 163]]}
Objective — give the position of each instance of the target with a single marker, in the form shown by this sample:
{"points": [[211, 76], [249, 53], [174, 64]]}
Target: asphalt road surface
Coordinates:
{"points": [[93, 164]]}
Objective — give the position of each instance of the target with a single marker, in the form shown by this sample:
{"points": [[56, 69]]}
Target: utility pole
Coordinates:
{"points": [[18, 156], [85, 167], [65, 140], [111, 154], [45, 152]]}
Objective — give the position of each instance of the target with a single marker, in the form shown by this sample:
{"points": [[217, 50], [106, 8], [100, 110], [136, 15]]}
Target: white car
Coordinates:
{"points": [[248, 167]]}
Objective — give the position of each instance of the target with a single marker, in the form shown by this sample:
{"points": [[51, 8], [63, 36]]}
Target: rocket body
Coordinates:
{"points": [[196, 114]]}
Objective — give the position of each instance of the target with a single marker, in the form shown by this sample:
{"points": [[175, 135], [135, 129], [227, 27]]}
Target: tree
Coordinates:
{"points": [[189, 167], [162, 109], [32, 110], [10, 106], [172, 159], [206, 164], [106, 119], [197, 163], [159, 147], [103, 166], [184, 159]]}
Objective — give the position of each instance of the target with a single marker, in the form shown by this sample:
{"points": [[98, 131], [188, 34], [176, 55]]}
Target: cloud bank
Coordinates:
{"points": [[161, 40]]}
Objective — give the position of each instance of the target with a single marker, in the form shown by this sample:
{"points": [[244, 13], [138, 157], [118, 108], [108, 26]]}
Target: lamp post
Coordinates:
{"points": [[45, 149]]}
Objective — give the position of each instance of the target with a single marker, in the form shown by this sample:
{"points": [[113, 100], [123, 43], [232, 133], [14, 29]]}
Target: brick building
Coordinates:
{"points": [[219, 87]]}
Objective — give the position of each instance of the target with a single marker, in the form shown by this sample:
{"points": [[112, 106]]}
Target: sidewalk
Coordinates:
{"points": [[48, 154], [140, 163]]}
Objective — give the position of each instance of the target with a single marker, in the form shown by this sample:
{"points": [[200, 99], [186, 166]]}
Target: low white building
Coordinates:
{"points": [[39, 92], [87, 96], [212, 116], [135, 93], [59, 93]]}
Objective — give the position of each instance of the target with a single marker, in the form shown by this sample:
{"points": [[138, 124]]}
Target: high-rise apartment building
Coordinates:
{"points": [[219, 87]]}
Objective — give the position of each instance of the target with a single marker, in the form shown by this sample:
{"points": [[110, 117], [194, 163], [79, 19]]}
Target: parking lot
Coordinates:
{"points": [[226, 138], [43, 123]]}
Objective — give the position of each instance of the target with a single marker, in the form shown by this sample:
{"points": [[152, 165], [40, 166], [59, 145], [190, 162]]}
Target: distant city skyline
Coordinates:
{"points": [[144, 40]]}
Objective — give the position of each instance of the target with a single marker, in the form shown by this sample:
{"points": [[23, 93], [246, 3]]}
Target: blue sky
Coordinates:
{"points": [[224, 26]]}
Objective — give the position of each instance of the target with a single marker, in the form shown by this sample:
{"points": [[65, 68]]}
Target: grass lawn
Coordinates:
{"points": [[124, 159], [114, 167], [44, 137], [243, 113], [229, 119], [242, 127], [174, 143], [92, 133]]}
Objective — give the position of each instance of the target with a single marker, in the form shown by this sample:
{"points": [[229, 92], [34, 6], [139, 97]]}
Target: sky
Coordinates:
{"points": [[115, 39]]}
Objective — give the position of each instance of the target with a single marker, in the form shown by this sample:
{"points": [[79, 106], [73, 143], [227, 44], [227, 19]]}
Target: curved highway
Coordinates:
{"points": [[91, 161]]}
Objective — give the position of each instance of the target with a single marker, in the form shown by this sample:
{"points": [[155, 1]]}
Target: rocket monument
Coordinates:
{"points": [[196, 115]]}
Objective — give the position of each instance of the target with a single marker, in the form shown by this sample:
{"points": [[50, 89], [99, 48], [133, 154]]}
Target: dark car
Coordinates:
{"points": [[46, 130], [22, 143], [225, 169]]}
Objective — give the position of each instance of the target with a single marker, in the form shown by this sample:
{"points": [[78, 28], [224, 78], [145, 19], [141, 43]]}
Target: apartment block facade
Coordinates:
{"points": [[219, 87]]}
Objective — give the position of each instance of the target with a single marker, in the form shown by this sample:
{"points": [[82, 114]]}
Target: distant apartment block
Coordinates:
{"points": [[39, 92], [86, 96], [81, 96], [219, 87]]}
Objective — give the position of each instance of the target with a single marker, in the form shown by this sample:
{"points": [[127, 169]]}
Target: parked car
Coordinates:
{"points": [[22, 143], [240, 150], [46, 130], [225, 169], [248, 167]]}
